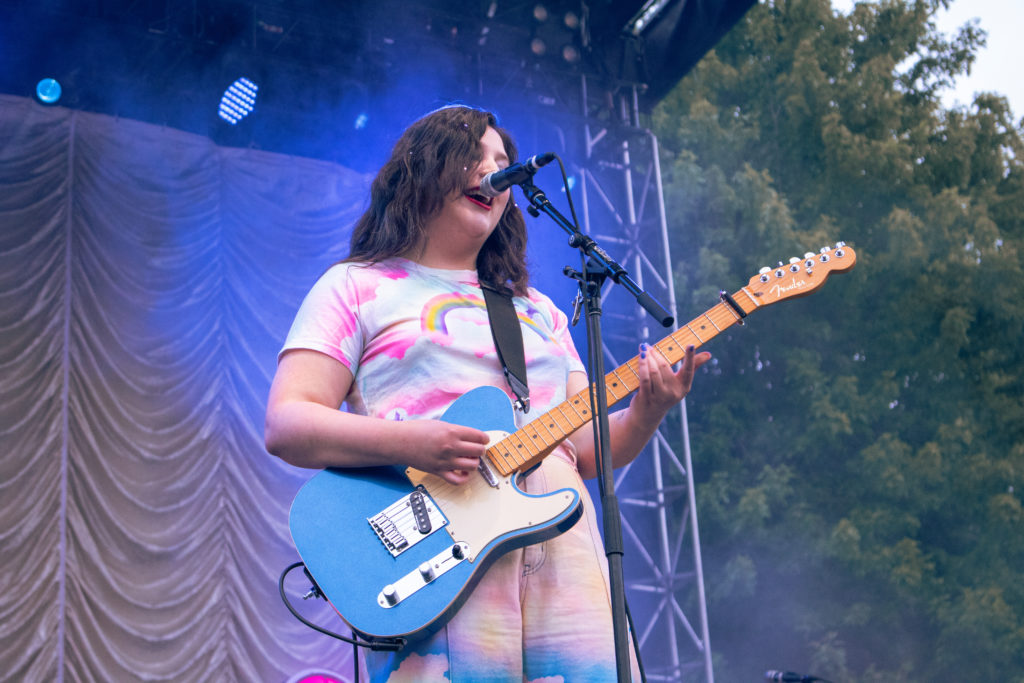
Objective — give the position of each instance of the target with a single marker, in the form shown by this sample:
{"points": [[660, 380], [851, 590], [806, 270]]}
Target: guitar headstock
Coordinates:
{"points": [[800, 277]]}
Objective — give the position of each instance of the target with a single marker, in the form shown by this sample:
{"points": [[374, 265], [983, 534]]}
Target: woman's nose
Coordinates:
{"points": [[486, 167]]}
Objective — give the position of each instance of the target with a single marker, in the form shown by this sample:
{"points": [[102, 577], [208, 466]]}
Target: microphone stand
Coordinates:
{"points": [[598, 267]]}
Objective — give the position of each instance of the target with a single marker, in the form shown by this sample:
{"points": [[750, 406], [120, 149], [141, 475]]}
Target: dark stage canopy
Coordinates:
{"points": [[338, 79]]}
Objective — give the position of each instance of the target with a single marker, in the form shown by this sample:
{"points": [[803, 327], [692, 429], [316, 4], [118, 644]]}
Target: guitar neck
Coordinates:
{"points": [[530, 444]]}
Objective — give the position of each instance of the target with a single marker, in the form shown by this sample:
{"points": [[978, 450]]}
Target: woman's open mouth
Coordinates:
{"points": [[473, 195]]}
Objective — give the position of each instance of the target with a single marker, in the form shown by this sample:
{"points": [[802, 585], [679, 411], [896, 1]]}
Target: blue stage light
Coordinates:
{"points": [[238, 101], [48, 91], [362, 120]]}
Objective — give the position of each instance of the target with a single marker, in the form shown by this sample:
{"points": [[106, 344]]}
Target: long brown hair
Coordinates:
{"points": [[427, 165]]}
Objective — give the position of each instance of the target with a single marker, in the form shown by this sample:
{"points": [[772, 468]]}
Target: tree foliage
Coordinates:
{"points": [[859, 452]]}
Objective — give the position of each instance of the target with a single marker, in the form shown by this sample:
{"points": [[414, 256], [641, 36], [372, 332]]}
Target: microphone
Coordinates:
{"points": [[789, 677], [497, 182]]}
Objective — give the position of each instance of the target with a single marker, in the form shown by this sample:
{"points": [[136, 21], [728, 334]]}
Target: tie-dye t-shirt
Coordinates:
{"points": [[416, 338]]}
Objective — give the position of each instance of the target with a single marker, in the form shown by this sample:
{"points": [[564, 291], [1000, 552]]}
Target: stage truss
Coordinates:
{"points": [[622, 207]]}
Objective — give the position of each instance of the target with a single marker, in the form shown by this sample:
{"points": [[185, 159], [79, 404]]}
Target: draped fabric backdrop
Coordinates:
{"points": [[147, 279]]}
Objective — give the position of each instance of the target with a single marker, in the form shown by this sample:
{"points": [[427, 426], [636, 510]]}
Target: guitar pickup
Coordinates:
{"points": [[407, 521], [484, 468], [418, 503]]}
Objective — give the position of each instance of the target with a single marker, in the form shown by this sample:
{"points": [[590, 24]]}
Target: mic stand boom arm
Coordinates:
{"points": [[539, 203], [599, 266]]}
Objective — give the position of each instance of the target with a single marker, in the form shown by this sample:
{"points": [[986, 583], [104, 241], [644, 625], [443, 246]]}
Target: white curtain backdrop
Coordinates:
{"points": [[147, 279]]}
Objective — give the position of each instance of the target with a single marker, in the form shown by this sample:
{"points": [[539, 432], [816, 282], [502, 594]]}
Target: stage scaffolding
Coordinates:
{"points": [[620, 203]]}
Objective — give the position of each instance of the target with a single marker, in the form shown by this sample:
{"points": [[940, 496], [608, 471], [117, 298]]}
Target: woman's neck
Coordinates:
{"points": [[445, 257]]}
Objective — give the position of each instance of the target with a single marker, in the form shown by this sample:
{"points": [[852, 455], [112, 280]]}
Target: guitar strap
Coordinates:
{"points": [[508, 340]]}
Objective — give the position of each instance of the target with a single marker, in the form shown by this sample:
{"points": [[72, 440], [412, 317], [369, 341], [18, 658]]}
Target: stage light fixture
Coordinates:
{"points": [[238, 101], [48, 91], [556, 35], [647, 14]]}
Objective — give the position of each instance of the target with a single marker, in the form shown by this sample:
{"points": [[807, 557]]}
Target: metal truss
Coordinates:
{"points": [[622, 207]]}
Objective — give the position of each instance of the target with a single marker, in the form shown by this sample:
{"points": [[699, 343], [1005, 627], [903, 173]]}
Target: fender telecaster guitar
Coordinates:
{"points": [[398, 552]]}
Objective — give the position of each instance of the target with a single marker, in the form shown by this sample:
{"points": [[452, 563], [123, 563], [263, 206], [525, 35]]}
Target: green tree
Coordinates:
{"points": [[859, 452]]}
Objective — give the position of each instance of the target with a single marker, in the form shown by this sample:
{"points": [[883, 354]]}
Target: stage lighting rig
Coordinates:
{"points": [[238, 101]]}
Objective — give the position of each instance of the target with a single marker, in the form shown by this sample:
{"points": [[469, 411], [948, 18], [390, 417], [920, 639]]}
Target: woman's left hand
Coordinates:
{"points": [[660, 386]]}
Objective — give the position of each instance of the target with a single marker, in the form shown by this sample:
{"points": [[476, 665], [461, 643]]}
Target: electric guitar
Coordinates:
{"points": [[397, 552]]}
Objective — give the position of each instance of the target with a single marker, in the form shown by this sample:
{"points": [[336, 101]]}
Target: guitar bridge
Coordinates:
{"points": [[407, 521]]}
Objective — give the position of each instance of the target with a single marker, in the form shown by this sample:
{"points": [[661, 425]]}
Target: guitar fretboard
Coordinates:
{"points": [[528, 445]]}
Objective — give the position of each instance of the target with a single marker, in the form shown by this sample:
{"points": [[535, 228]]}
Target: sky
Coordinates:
{"points": [[995, 66]]}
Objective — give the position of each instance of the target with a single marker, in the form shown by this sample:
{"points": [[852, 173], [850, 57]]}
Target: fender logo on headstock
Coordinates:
{"points": [[779, 290]]}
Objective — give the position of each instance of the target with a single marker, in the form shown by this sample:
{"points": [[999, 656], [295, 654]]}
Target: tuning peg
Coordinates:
{"points": [[809, 254], [825, 250], [840, 245], [794, 259], [764, 270]]}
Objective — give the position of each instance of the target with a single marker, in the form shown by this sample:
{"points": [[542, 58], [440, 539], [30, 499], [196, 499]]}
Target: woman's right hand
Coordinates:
{"points": [[447, 450]]}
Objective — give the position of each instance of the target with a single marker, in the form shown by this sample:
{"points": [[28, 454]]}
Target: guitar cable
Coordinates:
{"points": [[315, 592]]}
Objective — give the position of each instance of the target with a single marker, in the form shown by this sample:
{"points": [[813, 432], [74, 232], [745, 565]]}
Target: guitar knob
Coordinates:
{"points": [[390, 594], [427, 572]]}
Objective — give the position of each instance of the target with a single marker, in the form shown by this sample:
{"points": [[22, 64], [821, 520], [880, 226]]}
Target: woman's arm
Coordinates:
{"points": [[305, 427], [630, 429]]}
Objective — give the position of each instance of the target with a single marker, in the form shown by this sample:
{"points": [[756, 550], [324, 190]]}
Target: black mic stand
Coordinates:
{"points": [[598, 266]]}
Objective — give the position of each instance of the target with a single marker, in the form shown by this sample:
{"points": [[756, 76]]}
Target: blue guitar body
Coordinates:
{"points": [[397, 552]]}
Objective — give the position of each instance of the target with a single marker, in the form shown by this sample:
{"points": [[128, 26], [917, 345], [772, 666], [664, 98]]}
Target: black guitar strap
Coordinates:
{"points": [[508, 340]]}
